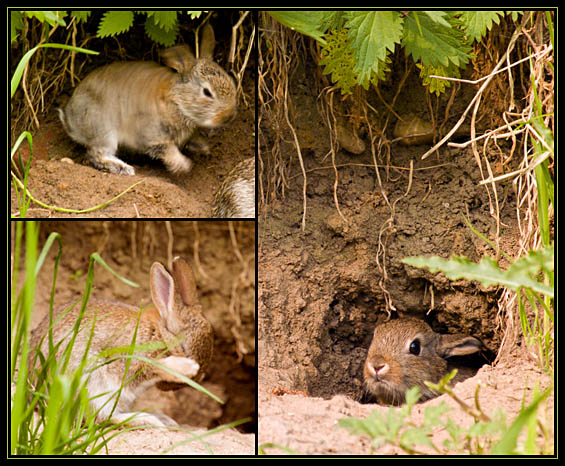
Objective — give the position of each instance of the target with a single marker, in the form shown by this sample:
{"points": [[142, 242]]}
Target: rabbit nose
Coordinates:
{"points": [[377, 370]]}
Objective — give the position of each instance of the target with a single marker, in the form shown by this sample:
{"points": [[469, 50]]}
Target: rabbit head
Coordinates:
{"points": [[180, 314], [204, 92], [151, 109], [406, 353]]}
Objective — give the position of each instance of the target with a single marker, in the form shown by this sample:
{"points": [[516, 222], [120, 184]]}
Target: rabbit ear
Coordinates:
{"points": [[163, 293], [458, 345], [179, 58], [185, 281], [208, 42]]}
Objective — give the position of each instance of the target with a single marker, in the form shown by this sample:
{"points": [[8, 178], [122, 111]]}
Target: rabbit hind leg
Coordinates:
{"points": [[104, 158]]}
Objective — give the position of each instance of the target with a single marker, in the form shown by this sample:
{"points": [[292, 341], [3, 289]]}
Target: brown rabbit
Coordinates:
{"points": [[405, 353], [151, 109], [236, 196], [179, 324]]}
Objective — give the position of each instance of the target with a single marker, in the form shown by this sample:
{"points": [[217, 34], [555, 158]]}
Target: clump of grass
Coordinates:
{"points": [[50, 414]]}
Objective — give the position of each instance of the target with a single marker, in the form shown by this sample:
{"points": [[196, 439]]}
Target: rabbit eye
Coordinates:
{"points": [[207, 92], [415, 348]]}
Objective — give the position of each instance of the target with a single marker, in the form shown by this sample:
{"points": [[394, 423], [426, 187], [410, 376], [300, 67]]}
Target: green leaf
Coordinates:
{"points": [[115, 22], [311, 23], [478, 22], [337, 60], [508, 442], [372, 35], [160, 35], [488, 273], [164, 19], [80, 15], [49, 17], [433, 43]]}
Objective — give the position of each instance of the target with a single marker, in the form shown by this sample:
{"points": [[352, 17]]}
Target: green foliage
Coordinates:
{"points": [[439, 41], [161, 26], [115, 22], [485, 435], [521, 274], [478, 22]]}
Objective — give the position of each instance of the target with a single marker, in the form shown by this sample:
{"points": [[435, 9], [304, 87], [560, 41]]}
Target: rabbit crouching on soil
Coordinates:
{"points": [[180, 336], [151, 109], [405, 353]]}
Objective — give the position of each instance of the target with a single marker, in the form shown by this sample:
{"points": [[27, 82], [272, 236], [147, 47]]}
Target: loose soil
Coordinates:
{"points": [[225, 274], [322, 289]]}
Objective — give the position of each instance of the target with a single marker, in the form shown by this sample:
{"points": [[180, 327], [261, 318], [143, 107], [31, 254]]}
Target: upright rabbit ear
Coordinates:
{"points": [[208, 42], [185, 281], [179, 58], [459, 345], [163, 292]]}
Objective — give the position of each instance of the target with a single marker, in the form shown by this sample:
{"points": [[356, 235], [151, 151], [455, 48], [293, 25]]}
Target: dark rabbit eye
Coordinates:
{"points": [[207, 92], [415, 348]]}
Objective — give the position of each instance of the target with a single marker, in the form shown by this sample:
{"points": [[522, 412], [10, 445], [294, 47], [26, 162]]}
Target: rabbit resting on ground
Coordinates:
{"points": [[149, 108], [405, 353], [181, 338]]}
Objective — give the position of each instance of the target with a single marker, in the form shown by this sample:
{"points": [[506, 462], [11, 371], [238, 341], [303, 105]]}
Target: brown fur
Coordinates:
{"points": [[188, 337], [391, 368], [149, 108], [236, 196]]}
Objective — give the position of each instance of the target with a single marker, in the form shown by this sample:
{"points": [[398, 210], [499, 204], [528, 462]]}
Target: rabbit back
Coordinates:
{"points": [[126, 104]]}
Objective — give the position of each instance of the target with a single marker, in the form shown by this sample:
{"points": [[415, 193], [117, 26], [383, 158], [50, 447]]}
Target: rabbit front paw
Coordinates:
{"points": [[185, 366]]}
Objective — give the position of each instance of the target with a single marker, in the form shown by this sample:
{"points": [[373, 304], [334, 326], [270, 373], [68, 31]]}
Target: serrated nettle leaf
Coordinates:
{"points": [[337, 60], [439, 17], [165, 19], [372, 34], [164, 37], [434, 44], [115, 22], [478, 22]]}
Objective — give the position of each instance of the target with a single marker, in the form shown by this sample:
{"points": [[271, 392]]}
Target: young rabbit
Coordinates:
{"points": [[149, 108], [179, 324], [405, 353], [236, 196]]}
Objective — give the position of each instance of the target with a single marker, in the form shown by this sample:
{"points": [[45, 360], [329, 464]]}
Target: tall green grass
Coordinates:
{"points": [[50, 414]]}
